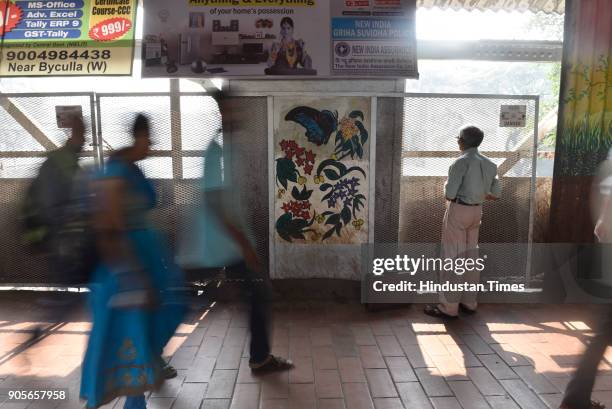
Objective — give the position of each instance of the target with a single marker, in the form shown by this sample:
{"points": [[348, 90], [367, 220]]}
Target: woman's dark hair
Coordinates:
{"points": [[140, 124], [287, 20]]}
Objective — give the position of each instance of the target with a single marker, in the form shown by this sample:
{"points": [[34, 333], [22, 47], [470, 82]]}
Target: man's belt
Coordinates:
{"points": [[461, 202]]}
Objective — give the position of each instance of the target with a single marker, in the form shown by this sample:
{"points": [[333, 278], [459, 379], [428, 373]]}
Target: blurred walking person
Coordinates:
{"points": [[224, 239], [579, 389], [45, 214], [49, 195], [135, 311]]}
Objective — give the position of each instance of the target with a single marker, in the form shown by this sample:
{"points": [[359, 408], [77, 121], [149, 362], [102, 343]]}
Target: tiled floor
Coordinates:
{"points": [[506, 356]]}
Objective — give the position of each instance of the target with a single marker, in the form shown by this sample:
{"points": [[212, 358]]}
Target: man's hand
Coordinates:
{"points": [[491, 197], [601, 231]]}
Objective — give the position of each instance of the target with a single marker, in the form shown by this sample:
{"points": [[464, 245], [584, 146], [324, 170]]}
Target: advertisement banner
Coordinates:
{"points": [[67, 37], [262, 38], [373, 36]]}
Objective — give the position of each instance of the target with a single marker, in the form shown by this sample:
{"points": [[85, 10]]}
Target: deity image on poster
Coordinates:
{"points": [[321, 170]]}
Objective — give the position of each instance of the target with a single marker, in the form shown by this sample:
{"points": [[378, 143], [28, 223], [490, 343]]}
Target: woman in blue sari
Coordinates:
{"points": [[135, 311]]}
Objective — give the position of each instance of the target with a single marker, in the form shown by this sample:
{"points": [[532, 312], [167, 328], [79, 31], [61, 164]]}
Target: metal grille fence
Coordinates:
{"points": [[429, 146], [173, 170], [415, 145], [249, 161], [28, 128], [177, 158]]}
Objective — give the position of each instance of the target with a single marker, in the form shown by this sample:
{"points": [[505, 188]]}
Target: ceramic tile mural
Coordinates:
{"points": [[321, 169]]}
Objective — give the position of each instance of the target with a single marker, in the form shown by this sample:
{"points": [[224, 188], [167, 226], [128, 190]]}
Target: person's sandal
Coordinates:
{"points": [[169, 371], [434, 311], [271, 363], [593, 405], [466, 310]]}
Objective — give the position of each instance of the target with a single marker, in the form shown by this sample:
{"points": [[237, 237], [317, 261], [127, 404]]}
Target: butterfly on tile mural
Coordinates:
{"points": [[319, 125]]}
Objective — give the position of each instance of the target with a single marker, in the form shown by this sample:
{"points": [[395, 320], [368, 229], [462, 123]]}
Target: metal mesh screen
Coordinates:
{"points": [[39, 110], [200, 120], [177, 186], [388, 158], [429, 146], [117, 114], [249, 142], [415, 145], [28, 125]]}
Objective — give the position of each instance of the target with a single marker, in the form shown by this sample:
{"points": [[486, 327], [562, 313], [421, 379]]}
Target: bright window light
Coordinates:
{"points": [[463, 25]]}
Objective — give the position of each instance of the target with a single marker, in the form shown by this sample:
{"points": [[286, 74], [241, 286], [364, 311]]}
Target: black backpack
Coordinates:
{"points": [[75, 245], [70, 242], [35, 230]]}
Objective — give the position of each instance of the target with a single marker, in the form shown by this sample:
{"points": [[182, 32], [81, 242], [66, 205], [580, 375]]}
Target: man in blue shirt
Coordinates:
{"points": [[225, 240], [472, 179]]}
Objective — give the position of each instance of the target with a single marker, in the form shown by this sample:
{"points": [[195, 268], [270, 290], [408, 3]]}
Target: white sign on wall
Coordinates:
{"points": [[65, 114], [512, 116]]}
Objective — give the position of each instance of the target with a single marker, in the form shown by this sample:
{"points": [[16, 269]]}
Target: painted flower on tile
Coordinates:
{"points": [[348, 128], [303, 158], [344, 193], [296, 219], [300, 209], [351, 136], [295, 157], [358, 223]]}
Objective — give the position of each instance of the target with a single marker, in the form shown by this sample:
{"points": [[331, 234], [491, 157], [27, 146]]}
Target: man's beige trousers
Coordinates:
{"points": [[460, 229]]}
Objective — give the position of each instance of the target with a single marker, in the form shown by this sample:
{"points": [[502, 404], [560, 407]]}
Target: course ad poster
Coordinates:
{"points": [[374, 37], [67, 37], [265, 38]]}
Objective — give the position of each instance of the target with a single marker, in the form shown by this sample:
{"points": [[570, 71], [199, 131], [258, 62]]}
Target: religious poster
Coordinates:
{"points": [[321, 170], [67, 37], [264, 38]]}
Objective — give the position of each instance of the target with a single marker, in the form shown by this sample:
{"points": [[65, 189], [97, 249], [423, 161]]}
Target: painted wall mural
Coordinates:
{"points": [[586, 132], [321, 168]]}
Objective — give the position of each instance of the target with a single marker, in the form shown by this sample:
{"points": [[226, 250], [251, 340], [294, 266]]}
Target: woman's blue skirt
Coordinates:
{"points": [[124, 351]]}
